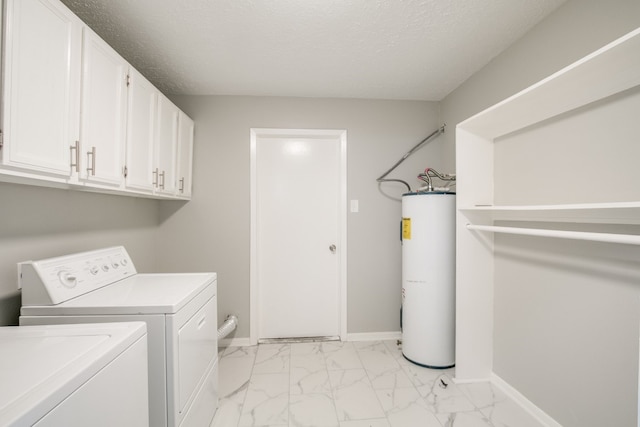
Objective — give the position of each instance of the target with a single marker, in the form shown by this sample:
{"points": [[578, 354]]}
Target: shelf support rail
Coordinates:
{"points": [[407, 154], [625, 239]]}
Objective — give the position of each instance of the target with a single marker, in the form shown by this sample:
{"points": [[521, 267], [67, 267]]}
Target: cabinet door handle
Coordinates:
{"points": [[91, 158], [155, 178], [182, 185], [162, 176], [75, 160]]}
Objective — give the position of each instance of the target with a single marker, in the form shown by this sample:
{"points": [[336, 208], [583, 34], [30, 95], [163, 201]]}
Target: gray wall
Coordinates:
{"points": [[566, 313], [40, 222], [212, 231]]}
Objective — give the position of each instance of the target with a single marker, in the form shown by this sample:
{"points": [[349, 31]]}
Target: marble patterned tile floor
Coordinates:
{"points": [[351, 384]]}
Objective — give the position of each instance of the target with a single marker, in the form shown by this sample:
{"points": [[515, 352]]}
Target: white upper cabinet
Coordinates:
{"points": [[166, 146], [41, 87], [104, 107], [141, 122], [75, 114], [185, 154]]}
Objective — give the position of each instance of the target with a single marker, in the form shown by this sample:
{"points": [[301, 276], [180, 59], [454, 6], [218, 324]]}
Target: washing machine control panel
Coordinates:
{"points": [[55, 280]]}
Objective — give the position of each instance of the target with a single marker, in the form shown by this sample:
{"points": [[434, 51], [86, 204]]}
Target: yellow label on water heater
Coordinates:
{"points": [[406, 228]]}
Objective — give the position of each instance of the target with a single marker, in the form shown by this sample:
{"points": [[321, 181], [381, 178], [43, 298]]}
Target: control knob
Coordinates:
{"points": [[67, 279]]}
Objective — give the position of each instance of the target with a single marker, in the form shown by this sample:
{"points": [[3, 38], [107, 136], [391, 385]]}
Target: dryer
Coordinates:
{"points": [[74, 375], [180, 311]]}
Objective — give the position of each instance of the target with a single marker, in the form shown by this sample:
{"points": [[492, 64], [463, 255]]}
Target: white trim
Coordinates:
{"points": [[343, 234], [374, 336], [253, 262], [235, 342], [253, 285], [523, 402], [471, 380]]}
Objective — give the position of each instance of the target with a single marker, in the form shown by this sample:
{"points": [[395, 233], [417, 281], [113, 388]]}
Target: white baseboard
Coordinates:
{"points": [[235, 342], [374, 336], [471, 380], [525, 403]]}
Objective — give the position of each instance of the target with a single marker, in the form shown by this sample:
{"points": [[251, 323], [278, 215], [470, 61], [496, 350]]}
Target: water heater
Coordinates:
{"points": [[428, 278]]}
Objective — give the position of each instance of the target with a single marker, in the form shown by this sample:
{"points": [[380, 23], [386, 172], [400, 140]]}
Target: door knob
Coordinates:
{"points": [[332, 248]]}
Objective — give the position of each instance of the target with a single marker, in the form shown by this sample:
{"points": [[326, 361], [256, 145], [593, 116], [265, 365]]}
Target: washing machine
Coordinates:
{"points": [[74, 375], [180, 312]]}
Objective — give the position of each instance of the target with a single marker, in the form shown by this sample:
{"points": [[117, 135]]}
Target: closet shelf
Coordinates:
{"points": [[625, 239], [597, 213], [605, 72], [555, 100]]}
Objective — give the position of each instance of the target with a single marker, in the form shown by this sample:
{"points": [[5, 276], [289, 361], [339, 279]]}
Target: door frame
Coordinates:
{"points": [[254, 286]]}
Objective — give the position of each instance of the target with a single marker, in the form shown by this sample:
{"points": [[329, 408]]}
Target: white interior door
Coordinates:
{"points": [[298, 191]]}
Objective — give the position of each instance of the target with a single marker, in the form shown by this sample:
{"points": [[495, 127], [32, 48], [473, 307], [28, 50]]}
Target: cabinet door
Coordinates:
{"points": [[104, 103], [185, 154], [41, 86], [166, 144], [141, 120]]}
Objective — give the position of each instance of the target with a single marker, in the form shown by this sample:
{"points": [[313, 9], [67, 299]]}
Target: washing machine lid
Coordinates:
{"points": [[40, 366], [139, 294]]}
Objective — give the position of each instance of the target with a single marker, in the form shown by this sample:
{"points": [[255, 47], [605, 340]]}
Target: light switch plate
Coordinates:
{"points": [[354, 206]]}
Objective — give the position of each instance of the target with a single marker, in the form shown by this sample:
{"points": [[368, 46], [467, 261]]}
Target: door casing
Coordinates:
{"points": [[254, 288]]}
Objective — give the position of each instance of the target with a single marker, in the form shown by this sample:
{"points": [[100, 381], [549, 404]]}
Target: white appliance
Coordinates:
{"points": [[179, 309], [74, 375], [428, 278]]}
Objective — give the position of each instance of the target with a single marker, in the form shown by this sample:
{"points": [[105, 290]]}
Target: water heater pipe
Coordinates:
{"points": [[228, 326], [407, 154], [430, 172]]}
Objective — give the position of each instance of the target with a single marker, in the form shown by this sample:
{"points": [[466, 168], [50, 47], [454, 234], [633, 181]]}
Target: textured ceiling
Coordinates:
{"points": [[385, 49]]}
